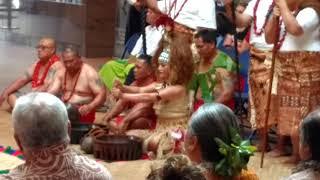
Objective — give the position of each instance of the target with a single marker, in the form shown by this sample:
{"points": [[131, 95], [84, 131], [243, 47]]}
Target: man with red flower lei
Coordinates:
{"points": [[41, 74], [81, 85], [256, 15]]}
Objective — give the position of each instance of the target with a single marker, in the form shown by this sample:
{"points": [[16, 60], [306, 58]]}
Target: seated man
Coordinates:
{"points": [[119, 69], [81, 85], [41, 74], [41, 127], [139, 115], [214, 78]]}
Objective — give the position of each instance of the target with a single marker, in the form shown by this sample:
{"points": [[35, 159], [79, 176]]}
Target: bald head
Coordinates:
{"points": [[46, 48], [49, 41], [40, 120]]}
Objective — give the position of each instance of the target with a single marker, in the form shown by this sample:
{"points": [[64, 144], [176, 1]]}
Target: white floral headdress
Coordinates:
{"points": [[164, 56]]}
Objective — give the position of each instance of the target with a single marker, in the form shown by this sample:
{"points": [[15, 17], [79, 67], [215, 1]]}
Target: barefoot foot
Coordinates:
{"points": [[292, 160]]}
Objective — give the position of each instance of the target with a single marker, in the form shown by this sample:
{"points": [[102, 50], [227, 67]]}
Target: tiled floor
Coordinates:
{"points": [[14, 59]]}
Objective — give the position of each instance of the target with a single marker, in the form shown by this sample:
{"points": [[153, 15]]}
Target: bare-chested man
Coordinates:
{"points": [[41, 74], [81, 85], [139, 115]]}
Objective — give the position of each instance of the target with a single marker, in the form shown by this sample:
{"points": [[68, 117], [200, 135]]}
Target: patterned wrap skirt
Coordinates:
{"points": [[259, 82], [298, 88]]}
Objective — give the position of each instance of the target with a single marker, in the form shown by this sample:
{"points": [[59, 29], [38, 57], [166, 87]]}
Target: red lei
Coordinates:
{"points": [[74, 86], [36, 82], [258, 33], [285, 31]]}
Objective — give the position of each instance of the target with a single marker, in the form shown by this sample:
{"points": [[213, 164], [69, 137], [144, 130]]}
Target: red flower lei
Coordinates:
{"points": [[74, 86], [258, 33], [36, 82], [281, 40]]}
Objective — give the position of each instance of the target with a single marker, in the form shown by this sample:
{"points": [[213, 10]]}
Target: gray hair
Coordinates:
{"points": [[40, 120], [72, 48]]}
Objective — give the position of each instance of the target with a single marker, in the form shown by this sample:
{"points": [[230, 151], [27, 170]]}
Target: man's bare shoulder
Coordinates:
{"points": [[58, 65], [33, 65], [30, 70], [90, 71]]}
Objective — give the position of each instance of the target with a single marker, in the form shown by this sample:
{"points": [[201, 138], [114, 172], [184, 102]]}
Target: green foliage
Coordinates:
{"points": [[236, 155], [4, 171]]}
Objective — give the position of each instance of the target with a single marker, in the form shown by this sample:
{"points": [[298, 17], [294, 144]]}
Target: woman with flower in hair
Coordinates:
{"points": [[171, 102], [212, 141]]}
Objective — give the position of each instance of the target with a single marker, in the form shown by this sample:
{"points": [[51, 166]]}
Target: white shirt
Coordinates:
{"points": [[195, 13], [131, 2], [153, 37], [309, 20], [262, 10]]}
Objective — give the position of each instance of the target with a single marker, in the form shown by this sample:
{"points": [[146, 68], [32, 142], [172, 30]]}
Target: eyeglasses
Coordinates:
{"points": [[42, 47]]}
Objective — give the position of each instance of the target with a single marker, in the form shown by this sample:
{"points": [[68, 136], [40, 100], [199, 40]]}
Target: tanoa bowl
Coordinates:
{"points": [[117, 147]]}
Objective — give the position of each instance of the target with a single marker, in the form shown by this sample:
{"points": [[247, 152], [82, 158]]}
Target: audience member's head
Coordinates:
{"points": [[205, 41], [143, 67], [41, 130], [177, 167], [71, 58], [208, 122], [211, 122], [40, 120], [309, 137], [46, 48]]}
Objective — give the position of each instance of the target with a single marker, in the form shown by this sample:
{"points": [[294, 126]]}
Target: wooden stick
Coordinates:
{"points": [[274, 53], [239, 110], [143, 29]]}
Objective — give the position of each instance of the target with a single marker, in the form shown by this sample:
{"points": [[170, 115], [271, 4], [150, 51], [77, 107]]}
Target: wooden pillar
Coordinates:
{"points": [[100, 28]]}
